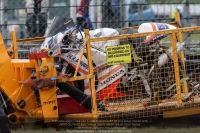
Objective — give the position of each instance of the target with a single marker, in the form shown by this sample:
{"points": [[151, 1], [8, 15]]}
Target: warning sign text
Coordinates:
{"points": [[118, 54]]}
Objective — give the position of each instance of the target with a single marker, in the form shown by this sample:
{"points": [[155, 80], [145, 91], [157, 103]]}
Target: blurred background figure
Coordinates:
{"points": [[173, 13], [83, 17], [4, 122], [110, 14], [36, 10]]}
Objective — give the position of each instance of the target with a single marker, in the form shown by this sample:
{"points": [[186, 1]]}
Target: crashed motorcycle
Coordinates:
{"points": [[151, 73]]}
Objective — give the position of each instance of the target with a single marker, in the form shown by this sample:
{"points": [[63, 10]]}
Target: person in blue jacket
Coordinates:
{"points": [[83, 17], [172, 15]]}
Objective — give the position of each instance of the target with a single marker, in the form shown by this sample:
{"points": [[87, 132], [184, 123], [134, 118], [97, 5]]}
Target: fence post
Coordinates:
{"points": [[187, 21], [1, 13], [73, 4], [122, 8], [186, 10], [90, 71], [176, 68], [3, 24], [180, 39], [93, 12], [14, 44], [140, 12]]}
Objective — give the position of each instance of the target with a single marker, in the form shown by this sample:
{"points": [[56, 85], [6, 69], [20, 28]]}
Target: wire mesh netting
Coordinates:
{"points": [[19, 15], [27, 48], [147, 86]]}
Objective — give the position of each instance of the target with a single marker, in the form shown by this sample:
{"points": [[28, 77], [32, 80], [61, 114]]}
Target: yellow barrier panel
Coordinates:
{"points": [[180, 37], [133, 98], [151, 87], [148, 84]]}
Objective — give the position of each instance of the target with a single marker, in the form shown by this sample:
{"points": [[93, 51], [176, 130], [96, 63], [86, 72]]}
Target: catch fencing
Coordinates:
{"points": [[103, 13], [135, 78], [157, 79]]}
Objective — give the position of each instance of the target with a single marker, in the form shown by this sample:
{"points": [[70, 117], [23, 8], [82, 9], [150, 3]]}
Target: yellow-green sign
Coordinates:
{"points": [[120, 54]]}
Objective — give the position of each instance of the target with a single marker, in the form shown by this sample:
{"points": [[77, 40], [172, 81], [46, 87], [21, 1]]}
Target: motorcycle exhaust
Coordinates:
{"points": [[163, 58], [50, 53], [79, 96]]}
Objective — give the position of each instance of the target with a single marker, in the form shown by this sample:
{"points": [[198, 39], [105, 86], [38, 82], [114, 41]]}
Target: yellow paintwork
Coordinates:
{"points": [[37, 114], [89, 76], [15, 71], [14, 44], [176, 68], [79, 61], [23, 69], [21, 117], [90, 71], [8, 79], [11, 73], [135, 35], [181, 112], [180, 37], [173, 33], [48, 94]]}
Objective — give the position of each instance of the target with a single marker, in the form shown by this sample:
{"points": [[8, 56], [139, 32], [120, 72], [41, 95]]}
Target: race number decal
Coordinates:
{"points": [[120, 54]]}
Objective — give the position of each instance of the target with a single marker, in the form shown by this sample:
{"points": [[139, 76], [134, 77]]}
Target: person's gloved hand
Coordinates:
{"points": [[81, 22]]}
